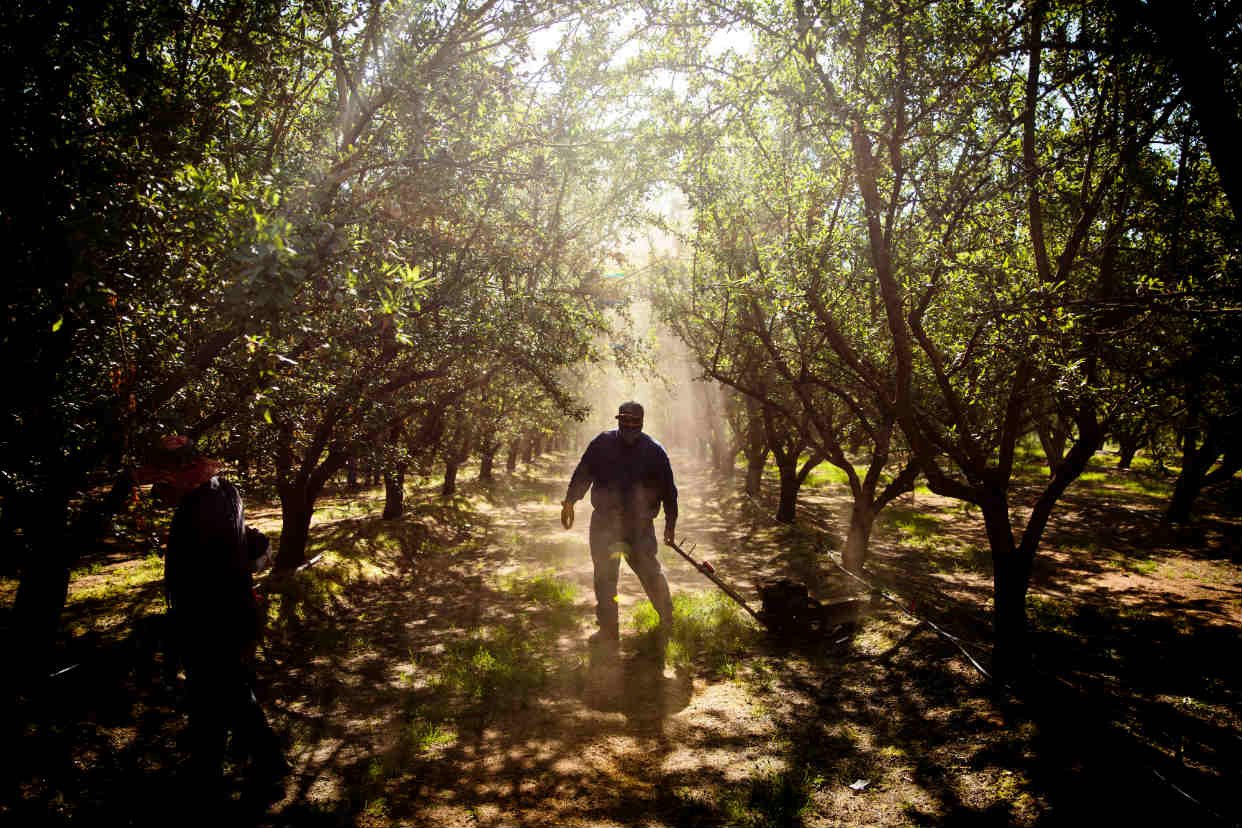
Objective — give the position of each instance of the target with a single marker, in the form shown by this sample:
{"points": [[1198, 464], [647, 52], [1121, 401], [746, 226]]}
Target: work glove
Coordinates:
{"points": [[567, 514], [670, 535]]}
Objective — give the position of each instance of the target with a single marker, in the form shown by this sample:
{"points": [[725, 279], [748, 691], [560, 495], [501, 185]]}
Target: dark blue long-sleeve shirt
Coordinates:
{"points": [[628, 481], [207, 569]]}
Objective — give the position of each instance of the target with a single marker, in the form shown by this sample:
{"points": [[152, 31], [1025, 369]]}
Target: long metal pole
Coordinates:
{"points": [[711, 576]]}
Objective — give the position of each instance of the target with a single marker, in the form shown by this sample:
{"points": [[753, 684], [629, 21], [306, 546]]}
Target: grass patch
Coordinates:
{"points": [[917, 527], [1143, 485], [826, 474], [558, 596], [1130, 563], [707, 628], [772, 797], [352, 550], [116, 580], [947, 556], [974, 558], [1139, 566], [308, 595], [1052, 614], [1029, 457], [83, 571], [427, 735], [498, 664], [760, 677], [911, 524], [1144, 462], [358, 505], [376, 808], [108, 603]]}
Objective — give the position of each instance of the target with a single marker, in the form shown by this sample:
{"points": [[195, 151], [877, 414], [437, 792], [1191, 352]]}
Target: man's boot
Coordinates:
{"points": [[607, 637], [654, 645]]}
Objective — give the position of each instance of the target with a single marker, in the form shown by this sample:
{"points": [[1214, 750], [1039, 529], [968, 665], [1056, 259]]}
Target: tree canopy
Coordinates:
{"points": [[918, 233]]}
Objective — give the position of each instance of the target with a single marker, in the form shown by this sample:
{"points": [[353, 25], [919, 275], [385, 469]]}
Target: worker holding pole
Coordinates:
{"points": [[630, 477]]}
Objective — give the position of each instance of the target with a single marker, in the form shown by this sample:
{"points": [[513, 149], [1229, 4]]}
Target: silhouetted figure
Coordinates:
{"points": [[214, 615], [629, 476]]}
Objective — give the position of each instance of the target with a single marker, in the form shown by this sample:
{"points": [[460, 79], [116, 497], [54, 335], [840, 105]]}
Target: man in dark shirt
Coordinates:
{"points": [[630, 477], [213, 613]]}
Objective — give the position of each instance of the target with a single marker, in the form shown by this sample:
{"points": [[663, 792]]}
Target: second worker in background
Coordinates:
{"points": [[629, 476]]}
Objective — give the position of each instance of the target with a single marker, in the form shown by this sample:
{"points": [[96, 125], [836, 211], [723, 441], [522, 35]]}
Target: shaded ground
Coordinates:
{"points": [[435, 671]]}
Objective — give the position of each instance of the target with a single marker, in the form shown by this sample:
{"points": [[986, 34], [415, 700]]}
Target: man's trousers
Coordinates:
{"points": [[612, 540]]}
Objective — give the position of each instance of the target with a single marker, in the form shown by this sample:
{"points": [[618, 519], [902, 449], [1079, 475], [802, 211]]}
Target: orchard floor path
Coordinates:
{"points": [[435, 670]]}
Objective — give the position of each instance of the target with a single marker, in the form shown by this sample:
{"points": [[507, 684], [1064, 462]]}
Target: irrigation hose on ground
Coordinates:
{"points": [[959, 643], [888, 596]]}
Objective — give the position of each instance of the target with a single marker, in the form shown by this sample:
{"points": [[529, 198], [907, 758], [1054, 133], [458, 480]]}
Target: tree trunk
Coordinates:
{"points": [[724, 465], [351, 473], [1196, 460], [297, 504], [53, 545], [754, 472], [786, 509], [862, 519], [756, 447], [528, 450], [43, 587], [512, 457], [450, 479], [1052, 436], [487, 460], [722, 455], [394, 493], [1011, 572], [1184, 495], [1127, 447], [1230, 465]]}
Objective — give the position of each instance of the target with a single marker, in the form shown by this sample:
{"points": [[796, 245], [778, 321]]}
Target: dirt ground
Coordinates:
{"points": [[435, 671]]}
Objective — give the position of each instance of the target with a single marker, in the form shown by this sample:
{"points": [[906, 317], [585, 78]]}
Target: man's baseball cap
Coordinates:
{"points": [[630, 411]]}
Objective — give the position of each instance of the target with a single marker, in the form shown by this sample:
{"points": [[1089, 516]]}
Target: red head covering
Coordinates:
{"points": [[175, 460]]}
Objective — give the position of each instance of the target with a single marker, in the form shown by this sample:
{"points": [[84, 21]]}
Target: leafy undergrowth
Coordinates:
{"points": [[435, 671], [708, 630]]}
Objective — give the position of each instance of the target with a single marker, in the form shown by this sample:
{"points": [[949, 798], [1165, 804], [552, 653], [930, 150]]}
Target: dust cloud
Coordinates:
{"points": [[682, 410]]}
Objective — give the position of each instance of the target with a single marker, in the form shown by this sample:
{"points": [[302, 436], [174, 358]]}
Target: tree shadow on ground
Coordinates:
{"points": [[433, 670], [1135, 682], [449, 677]]}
